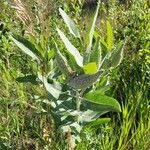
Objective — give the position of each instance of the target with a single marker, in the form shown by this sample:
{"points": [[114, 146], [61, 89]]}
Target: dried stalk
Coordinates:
{"points": [[44, 9], [69, 140], [24, 15]]}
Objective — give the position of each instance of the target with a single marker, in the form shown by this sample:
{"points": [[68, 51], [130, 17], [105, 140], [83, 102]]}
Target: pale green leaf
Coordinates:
{"points": [[90, 68], [109, 36], [70, 23], [106, 63], [89, 115], [53, 89], [117, 55], [96, 54], [73, 64], [71, 49], [84, 81], [89, 37], [26, 46], [62, 62]]}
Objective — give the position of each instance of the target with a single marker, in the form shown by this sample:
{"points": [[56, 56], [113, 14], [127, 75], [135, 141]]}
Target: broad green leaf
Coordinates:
{"points": [[89, 37], [75, 126], [64, 128], [117, 55], [106, 63], [68, 112], [28, 78], [84, 81], [53, 89], [70, 23], [90, 68], [96, 54], [62, 62], [26, 46], [89, 115], [109, 36], [73, 64], [97, 122], [71, 49], [98, 102]]}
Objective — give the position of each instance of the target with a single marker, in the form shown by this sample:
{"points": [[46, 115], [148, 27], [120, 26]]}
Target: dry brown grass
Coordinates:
{"points": [[24, 15], [40, 17]]}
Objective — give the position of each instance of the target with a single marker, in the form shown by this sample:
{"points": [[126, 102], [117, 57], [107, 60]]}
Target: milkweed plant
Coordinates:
{"points": [[78, 81]]}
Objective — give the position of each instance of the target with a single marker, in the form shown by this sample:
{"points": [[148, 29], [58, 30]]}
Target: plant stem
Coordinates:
{"points": [[78, 102], [69, 140]]}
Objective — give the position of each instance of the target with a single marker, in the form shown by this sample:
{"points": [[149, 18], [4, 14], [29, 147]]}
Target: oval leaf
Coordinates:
{"points": [[117, 55], [84, 81], [97, 101]]}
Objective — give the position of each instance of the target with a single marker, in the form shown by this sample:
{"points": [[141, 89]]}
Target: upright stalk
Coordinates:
{"points": [[78, 102], [69, 140]]}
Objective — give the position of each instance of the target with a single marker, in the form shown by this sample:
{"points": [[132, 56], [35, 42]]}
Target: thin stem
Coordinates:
{"points": [[78, 102]]}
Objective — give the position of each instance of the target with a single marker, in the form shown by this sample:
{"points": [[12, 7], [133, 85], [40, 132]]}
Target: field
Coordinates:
{"points": [[74, 75]]}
